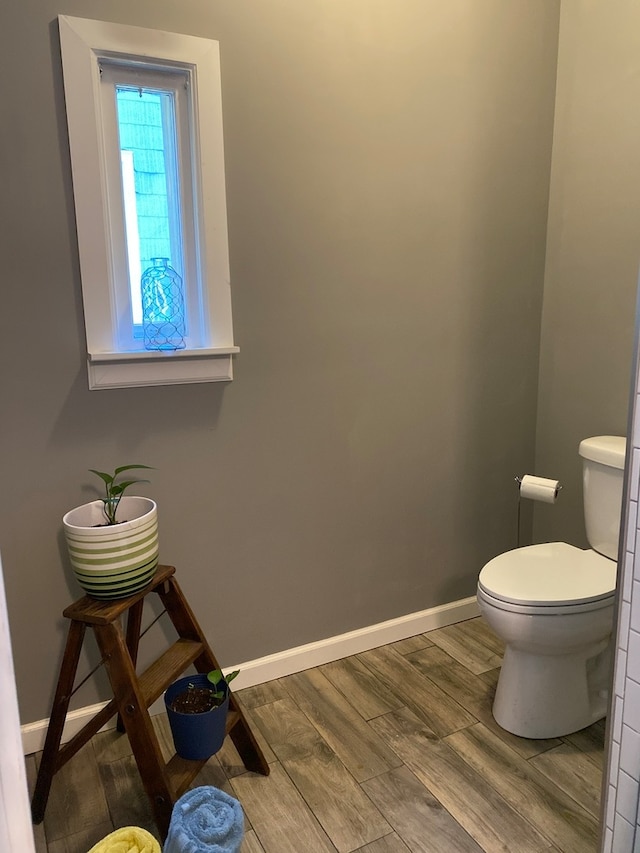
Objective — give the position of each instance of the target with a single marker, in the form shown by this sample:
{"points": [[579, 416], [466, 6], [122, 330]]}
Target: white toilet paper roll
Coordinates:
{"points": [[539, 489]]}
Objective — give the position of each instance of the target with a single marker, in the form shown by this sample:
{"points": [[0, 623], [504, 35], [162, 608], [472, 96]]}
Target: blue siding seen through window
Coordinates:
{"points": [[142, 119]]}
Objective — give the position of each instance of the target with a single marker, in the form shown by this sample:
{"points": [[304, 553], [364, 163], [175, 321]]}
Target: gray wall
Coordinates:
{"points": [[387, 175], [592, 249]]}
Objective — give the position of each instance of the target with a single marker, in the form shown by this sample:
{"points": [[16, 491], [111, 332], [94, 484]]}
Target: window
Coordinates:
{"points": [[150, 212]]}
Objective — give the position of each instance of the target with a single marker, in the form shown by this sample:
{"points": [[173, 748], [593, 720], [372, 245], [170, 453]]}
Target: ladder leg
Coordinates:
{"points": [[137, 722], [185, 623], [187, 626], [134, 623], [49, 762], [245, 742]]}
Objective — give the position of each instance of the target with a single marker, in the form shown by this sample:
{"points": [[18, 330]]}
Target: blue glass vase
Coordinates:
{"points": [[163, 321]]}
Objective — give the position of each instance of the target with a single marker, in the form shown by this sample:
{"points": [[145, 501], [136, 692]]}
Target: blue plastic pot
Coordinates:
{"points": [[197, 736]]}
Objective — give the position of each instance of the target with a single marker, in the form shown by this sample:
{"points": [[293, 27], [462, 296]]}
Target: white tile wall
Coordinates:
{"points": [[623, 835], [621, 832], [629, 753], [633, 656]]}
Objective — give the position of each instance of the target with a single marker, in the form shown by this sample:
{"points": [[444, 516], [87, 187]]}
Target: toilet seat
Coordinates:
{"points": [[553, 576]]}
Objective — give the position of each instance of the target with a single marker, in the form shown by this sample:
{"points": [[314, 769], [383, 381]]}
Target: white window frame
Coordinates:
{"points": [[83, 43]]}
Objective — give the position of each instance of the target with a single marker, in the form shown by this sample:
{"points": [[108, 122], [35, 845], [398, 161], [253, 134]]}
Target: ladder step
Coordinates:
{"points": [[182, 771], [172, 663]]}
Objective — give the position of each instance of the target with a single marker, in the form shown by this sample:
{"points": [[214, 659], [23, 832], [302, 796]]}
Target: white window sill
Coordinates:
{"points": [[135, 369]]}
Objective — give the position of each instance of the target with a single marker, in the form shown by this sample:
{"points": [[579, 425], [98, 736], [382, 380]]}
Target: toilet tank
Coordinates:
{"points": [[602, 478]]}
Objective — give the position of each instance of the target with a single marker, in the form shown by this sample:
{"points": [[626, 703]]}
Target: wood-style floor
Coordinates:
{"points": [[389, 751]]}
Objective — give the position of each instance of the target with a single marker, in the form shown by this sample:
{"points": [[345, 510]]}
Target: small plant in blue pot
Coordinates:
{"points": [[197, 707]]}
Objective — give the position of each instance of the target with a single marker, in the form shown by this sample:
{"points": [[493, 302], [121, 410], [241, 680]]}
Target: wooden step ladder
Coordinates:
{"points": [[133, 694]]}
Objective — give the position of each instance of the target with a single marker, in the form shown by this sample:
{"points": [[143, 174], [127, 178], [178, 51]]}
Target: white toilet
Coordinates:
{"points": [[552, 605]]}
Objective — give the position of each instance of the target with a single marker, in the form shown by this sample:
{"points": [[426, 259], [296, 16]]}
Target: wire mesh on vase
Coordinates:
{"points": [[163, 321]]}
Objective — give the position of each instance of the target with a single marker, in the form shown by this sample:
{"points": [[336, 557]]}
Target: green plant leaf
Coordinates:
{"points": [[128, 468], [119, 488], [215, 676], [108, 479]]}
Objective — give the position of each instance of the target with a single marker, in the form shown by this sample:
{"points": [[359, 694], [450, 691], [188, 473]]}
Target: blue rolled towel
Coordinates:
{"points": [[205, 820]]}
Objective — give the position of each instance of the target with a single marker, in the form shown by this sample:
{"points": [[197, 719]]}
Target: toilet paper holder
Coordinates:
{"points": [[519, 480], [537, 489]]}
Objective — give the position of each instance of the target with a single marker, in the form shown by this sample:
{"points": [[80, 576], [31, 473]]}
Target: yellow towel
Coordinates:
{"points": [[129, 839]]}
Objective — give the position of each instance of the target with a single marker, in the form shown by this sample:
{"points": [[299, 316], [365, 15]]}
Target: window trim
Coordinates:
{"points": [[83, 42]]}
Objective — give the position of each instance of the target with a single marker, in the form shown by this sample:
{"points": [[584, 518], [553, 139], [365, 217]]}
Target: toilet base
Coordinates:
{"points": [[552, 695]]}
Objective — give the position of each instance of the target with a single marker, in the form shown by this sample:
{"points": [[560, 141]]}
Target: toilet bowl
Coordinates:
{"points": [[552, 605]]}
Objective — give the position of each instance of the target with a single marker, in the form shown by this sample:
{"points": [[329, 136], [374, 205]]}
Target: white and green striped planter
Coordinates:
{"points": [[117, 560]]}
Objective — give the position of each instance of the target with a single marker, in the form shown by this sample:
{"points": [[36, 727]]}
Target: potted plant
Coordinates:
{"points": [[197, 707], [113, 542]]}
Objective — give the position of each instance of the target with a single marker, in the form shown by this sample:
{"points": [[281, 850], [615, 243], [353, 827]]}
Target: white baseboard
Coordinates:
{"points": [[352, 643], [289, 661]]}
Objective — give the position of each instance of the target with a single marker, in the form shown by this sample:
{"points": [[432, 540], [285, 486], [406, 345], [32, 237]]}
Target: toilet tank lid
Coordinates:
{"points": [[606, 449]]}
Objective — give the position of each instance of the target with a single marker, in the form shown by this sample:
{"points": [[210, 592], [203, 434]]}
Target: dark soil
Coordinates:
{"points": [[195, 700]]}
